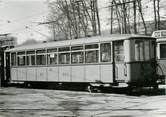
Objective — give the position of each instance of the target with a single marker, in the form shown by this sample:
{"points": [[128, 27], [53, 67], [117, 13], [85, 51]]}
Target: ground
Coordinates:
{"points": [[23, 102]]}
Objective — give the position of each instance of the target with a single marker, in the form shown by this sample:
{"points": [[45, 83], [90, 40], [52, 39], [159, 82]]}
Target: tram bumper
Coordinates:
{"points": [[160, 79]]}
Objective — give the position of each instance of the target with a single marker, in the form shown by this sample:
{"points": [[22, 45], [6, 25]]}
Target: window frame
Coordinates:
{"points": [[82, 50], [93, 49], [111, 54], [64, 52], [52, 52], [41, 53], [160, 50], [123, 44], [30, 55], [21, 55], [15, 64]]}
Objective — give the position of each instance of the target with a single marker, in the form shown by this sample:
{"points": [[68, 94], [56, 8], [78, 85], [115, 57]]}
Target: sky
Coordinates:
{"points": [[17, 15]]}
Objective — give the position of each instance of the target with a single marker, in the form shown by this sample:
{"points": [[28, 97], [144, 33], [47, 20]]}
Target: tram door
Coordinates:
{"points": [[118, 61], [7, 70], [2, 80]]}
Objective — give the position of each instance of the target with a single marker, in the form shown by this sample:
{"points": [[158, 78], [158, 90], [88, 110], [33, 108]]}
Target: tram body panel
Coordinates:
{"points": [[65, 73], [106, 73], [142, 72], [14, 74], [21, 74], [78, 73], [41, 73], [31, 74], [52, 73], [92, 73]]}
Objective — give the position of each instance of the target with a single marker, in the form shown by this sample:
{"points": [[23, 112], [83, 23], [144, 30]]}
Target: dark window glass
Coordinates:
{"points": [[40, 51], [13, 59], [94, 46], [21, 60], [77, 57], [162, 50], [41, 59], [105, 51], [52, 59], [20, 53], [64, 49], [77, 48], [52, 50], [92, 56], [30, 52], [153, 49], [64, 58], [31, 60]]}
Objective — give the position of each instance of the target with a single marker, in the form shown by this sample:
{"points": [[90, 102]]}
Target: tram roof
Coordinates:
{"points": [[87, 40]]}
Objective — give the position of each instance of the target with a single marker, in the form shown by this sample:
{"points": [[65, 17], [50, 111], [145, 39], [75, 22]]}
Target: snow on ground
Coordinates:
{"points": [[18, 102]]}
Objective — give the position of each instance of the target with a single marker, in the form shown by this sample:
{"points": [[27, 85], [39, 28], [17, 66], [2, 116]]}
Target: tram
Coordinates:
{"points": [[161, 50], [112, 60]]}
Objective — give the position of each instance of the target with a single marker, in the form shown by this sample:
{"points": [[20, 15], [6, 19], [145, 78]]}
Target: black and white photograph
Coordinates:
{"points": [[82, 58]]}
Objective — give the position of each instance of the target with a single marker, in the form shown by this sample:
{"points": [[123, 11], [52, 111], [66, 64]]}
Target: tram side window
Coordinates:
{"points": [[77, 55], [30, 58], [92, 53], [64, 58], [119, 51], [13, 59], [52, 58], [64, 55], [21, 58], [139, 50], [40, 57], [105, 52], [162, 51]]}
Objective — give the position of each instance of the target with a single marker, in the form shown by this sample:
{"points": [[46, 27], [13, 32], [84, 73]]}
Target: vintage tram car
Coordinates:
{"points": [[110, 60]]}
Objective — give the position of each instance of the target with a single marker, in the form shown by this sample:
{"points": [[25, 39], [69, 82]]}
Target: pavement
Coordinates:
{"points": [[24, 102]]}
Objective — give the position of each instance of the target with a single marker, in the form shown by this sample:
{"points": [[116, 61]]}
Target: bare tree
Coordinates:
{"points": [[75, 18], [127, 12]]}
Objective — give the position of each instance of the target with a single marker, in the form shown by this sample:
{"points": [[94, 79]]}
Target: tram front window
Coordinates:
{"points": [[144, 50]]}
